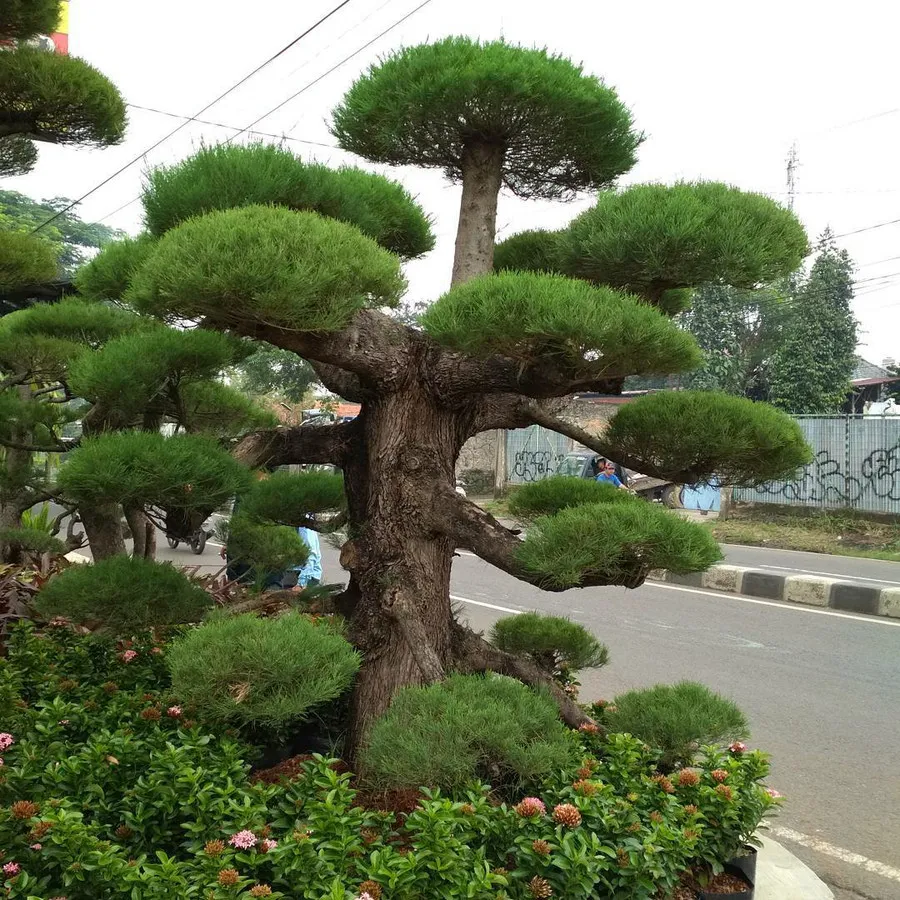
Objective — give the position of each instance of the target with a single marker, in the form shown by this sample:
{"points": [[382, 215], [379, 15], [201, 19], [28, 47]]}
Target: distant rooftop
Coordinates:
{"points": [[866, 372]]}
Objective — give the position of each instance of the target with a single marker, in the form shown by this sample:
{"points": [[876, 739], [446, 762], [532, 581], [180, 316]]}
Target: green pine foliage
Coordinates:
{"points": [[73, 319], [601, 543], [696, 436], [18, 156], [677, 720], [26, 259], [134, 370], [259, 263], [32, 540], [59, 99], [469, 726], [652, 238], [269, 672], [123, 594], [526, 315], [286, 499], [530, 251], [551, 495], [108, 275], [233, 176], [562, 131], [265, 549], [220, 411], [25, 19], [554, 643], [141, 469]]}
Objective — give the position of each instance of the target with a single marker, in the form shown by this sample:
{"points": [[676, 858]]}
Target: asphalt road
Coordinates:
{"points": [[821, 690]]}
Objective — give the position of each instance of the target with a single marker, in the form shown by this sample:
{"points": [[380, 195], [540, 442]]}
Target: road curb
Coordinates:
{"points": [[781, 876], [808, 590]]}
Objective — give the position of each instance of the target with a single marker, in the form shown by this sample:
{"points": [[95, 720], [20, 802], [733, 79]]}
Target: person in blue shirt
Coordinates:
{"points": [[608, 474], [310, 573]]}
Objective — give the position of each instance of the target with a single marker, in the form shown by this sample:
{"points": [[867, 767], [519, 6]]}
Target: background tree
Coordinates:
{"points": [[46, 96], [272, 372], [814, 362], [496, 351], [73, 238]]}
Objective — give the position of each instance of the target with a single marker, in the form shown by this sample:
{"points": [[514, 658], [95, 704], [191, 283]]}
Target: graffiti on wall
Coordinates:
{"points": [[533, 465]]}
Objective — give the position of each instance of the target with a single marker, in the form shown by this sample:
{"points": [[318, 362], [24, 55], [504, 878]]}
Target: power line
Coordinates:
{"points": [[200, 112], [249, 128], [336, 66], [868, 228]]}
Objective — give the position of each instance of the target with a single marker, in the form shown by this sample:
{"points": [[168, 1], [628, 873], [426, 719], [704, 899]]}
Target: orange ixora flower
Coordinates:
{"points": [[719, 775], [372, 888], [260, 890], [568, 815], [540, 888], [724, 791], [24, 809], [214, 848], [656, 816], [542, 848], [688, 778], [228, 877], [664, 783], [691, 810], [585, 788]]}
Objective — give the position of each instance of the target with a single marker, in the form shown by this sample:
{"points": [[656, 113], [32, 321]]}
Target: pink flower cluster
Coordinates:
{"points": [[243, 840], [129, 655], [530, 806], [365, 895], [738, 747], [11, 869], [6, 741], [775, 795], [267, 844], [174, 712]]}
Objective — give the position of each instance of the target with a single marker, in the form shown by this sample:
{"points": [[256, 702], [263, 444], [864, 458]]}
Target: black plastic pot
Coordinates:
{"points": [[741, 895], [746, 863]]}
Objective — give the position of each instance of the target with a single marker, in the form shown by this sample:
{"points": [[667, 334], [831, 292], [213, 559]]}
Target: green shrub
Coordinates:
{"points": [[252, 671], [557, 645], [552, 495], [605, 543], [468, 727], [288, 499], [123, 593], [34, 540], [676, 719], [266, 549], [26, 259]]}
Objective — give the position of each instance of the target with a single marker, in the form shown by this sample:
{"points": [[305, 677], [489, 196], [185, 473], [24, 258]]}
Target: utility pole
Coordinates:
{"points": [[793, 161]]}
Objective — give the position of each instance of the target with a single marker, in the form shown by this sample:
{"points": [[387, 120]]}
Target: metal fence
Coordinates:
{"points": [[534, 453], [856, 465]]}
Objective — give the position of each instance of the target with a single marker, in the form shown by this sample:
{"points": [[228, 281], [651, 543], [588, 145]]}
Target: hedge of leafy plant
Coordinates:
{"points": [[111, 787]]}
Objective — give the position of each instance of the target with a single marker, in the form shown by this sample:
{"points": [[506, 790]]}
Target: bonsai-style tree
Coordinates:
{"points": [[247, 244], [46, 96], [122, 377]]}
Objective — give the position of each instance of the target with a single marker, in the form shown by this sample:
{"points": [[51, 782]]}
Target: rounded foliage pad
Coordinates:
{"points": [[651, 238], [266, 264], [551, 641], [124, 593], [696, 436], [527, 315], [608, 543], [232, 176], [141, 469], [108, 275], [268, 672], [26, 259], [677, 719], [287, 499], [530, 251], [465, 728], [24, 19], [59, 99], [561, 131], [550, 495]]}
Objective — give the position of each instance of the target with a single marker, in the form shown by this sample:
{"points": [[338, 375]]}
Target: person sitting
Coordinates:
{"points": [[608, 474], [310, 573]]}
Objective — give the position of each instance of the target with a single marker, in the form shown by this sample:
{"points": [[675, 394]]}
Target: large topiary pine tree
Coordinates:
{"points": [[248, 242]]}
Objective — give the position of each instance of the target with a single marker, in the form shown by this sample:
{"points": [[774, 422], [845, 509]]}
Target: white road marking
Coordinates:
{"points": [[834, 575], [847, 856], [506, 609], [788, 607]]}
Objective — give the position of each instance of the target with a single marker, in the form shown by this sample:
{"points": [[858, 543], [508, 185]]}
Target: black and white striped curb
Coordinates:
{"points": [[810, 590]]}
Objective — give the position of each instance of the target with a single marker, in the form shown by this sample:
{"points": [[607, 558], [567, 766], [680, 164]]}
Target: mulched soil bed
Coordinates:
{"points": [[689, 889]]}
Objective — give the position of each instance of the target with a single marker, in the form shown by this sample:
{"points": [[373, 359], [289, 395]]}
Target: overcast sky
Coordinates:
{"points": [[721, 90]]}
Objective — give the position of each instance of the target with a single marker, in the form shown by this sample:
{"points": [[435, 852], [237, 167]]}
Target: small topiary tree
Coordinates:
{"points": [[559, 646], [122, 595], [47, 96], [677, 720], [262, 672], [497, 351], [466, 727]]}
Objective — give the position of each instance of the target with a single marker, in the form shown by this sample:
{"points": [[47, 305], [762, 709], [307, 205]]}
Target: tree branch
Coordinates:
{"points": [[473, 654], [338, 381], [64, 445], [296, 445]]}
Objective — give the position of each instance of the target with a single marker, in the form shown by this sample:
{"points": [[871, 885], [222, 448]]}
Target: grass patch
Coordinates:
{"points": [[841, 532]]}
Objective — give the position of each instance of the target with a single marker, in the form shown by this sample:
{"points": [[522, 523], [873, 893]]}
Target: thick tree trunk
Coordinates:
{"points": [[18, 465], [103, 530], [401, 619], [482, 168]]}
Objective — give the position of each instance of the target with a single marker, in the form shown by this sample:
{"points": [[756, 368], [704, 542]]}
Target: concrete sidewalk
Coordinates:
{"points": [[781, 876]]}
